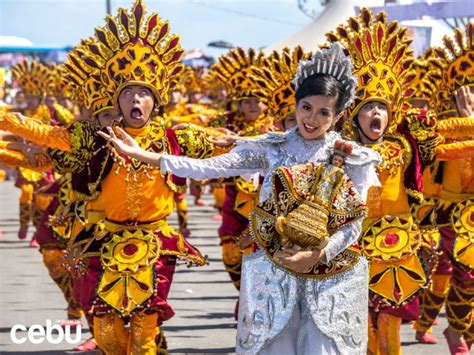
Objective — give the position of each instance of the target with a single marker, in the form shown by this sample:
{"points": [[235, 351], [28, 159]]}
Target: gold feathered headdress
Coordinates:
{"points": [[427, 78], [85, 81], [32, 77], [274, 79], [190, 80], [57, 83], [455, 61], [382, 58], [233, 70], [132, 49]]}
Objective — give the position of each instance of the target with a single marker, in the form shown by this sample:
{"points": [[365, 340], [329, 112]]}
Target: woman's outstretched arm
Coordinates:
{"points": [[242, 160]]}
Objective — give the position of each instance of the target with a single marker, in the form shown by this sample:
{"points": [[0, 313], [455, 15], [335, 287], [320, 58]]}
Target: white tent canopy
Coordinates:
{"points": [[313, 34], [336, 13], [13, 41]]}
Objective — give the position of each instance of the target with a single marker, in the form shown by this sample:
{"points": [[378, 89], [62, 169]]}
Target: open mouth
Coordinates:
{"points": [[136, 113], [376, 125], [310, 129]]}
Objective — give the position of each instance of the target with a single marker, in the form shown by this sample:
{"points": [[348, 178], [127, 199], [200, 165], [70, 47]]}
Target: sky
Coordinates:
{"points": [[248, 23]]}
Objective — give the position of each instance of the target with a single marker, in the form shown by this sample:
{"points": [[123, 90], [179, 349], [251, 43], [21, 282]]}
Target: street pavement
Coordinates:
{"points": [[203, 298]]}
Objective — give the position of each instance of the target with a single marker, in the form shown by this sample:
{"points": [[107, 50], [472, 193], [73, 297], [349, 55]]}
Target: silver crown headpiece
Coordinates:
{"points": [[331, 61]]}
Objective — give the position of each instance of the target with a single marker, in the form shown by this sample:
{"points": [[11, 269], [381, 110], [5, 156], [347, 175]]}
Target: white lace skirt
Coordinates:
{"points": [[282, 314]]}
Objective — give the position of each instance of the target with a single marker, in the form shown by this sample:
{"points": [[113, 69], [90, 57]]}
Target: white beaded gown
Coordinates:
{"points": [[280, 313]]}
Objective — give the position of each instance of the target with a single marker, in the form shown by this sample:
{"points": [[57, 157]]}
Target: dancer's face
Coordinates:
{"points": [[136, 103], [50, 101], [315, 115], [108, 117], [373, 121], [66, 102], [251, 107], [175, 97], [32, 101], [289, 121], [422, 104]]}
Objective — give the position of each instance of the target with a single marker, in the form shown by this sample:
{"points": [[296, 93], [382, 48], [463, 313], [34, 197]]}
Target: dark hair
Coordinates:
{"points": [[324, 85]]}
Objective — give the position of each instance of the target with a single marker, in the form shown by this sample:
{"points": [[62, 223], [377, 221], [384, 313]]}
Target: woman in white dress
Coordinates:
{"points": [[281, 313]]}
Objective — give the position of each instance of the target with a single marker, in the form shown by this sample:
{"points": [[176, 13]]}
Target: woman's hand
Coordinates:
{"points": [[227, 139], [123, 142], [464, 101], [297, 260]]}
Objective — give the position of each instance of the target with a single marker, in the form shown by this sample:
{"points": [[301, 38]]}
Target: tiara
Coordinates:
{"points": [[330, 61]]}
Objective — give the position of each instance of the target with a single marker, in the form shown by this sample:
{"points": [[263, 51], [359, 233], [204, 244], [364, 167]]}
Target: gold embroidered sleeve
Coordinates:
{"points": [[194, 143], [422, 126], [459, 135], [83, 146], [459, 128], [36, 132]]}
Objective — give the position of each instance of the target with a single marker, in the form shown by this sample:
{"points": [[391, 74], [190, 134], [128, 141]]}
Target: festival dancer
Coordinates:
{"points": [[216, 91], [454, 210], [34, 80], [171, 112], [62, 94], [315, 312], [139, 249], [180, 110], [220, 102], [63, 219], [400, 261], [424, 88]]}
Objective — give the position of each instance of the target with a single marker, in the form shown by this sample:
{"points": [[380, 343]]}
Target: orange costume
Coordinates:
{"points": [[425, 87], [400, 259], [138, 249], [36, 79], [455, 208]]}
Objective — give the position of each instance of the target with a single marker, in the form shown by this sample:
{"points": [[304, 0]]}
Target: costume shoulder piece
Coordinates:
{"points": [[310, 203], [89, 160], [194, 143]]}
